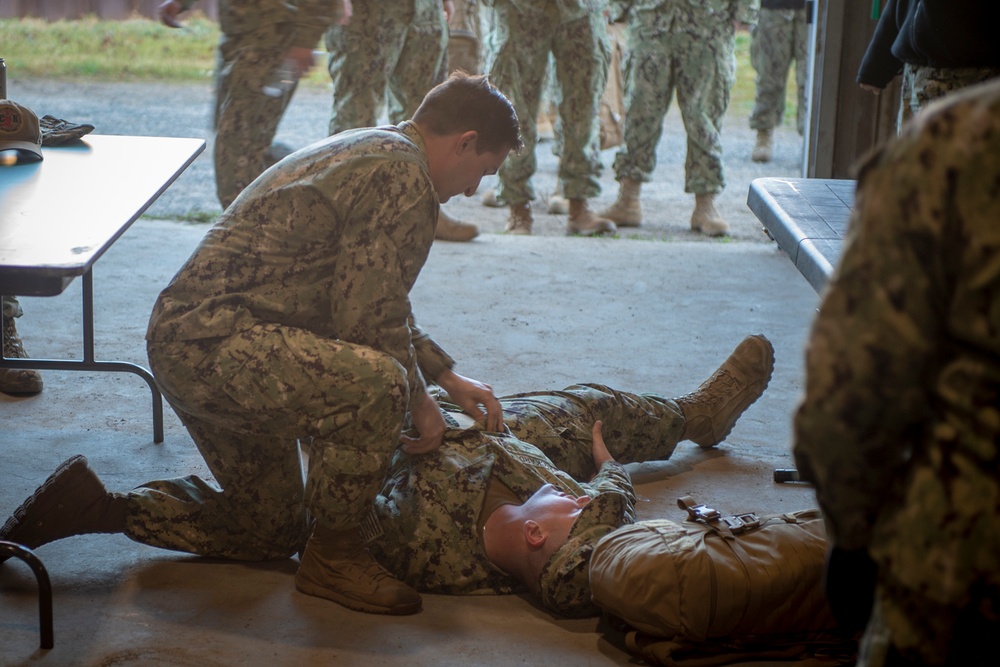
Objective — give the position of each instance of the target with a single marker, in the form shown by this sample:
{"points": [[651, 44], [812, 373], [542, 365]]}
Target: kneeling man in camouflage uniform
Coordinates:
{"points": [[496, 509], [292, 321]]}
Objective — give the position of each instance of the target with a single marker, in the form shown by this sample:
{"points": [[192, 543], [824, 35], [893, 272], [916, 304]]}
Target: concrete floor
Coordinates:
{"points": [[656, 311]]}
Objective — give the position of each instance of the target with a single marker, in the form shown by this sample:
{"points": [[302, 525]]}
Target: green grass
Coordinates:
{"points": [[142, 49]]}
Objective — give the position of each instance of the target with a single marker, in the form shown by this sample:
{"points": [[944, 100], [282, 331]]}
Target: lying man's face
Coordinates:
{"points": [[556, 512]]}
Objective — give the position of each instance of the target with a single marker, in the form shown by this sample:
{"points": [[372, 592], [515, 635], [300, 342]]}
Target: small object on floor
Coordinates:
{"points": [[786, 475]]}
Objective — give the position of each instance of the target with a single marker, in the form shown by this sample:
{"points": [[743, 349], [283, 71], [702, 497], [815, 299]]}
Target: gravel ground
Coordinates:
{"points": [[184, 110]]}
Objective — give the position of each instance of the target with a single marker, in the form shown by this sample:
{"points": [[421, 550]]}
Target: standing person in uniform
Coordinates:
{"points": [[390, 54], [687, 46], [261, 40], [495, 511], [292, 321], [900, 425], [575, 33], [780, 37], [938, 45], [16, 381]]}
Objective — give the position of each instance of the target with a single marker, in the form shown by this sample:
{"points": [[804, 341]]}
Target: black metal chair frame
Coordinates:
{"points": [[44, 588]]}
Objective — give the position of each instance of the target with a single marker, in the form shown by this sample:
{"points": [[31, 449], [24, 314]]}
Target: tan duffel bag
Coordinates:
{"points": [[715, 577]]}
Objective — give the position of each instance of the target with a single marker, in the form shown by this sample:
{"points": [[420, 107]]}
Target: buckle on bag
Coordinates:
{"points": [[741, 522], [698, 512]]}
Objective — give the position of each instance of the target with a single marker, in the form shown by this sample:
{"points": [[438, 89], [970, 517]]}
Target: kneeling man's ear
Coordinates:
{"points": [[468, 141]]}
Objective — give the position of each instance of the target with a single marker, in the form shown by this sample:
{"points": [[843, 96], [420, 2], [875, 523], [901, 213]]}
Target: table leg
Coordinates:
{"points": [[88, 363]]}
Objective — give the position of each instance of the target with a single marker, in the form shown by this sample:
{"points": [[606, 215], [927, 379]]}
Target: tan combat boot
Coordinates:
{"points": [[558, 204], [585, 222], [72, 501], [489, 198], [763, 150], [711, 411], [626, 212], [337, 566], [705, 218], [520, 219], [12, 380], [450, 229]]}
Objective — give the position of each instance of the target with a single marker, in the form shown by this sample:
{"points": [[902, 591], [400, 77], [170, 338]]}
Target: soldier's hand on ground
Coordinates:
{"points": [[600, 450], [430, 427], [168, 12], [473, 395]]}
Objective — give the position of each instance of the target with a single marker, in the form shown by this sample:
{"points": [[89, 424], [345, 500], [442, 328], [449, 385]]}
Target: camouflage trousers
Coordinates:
{"points": [[525, 36], [246, 400], [923, 85], [389, 54], [246, 119], [636, 427], [778, 39], [701, 70]]}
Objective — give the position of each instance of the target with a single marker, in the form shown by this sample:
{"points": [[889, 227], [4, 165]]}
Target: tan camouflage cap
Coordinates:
{"points": [[564, 584], [19, 130]]}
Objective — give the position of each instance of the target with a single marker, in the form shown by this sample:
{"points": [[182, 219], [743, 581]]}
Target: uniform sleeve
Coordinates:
{"points": [[614, 477], [869, 363], [431, 359], [879, 66]]}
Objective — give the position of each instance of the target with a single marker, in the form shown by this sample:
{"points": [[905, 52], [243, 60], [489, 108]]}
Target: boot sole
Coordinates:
{"points": [[40, 504], [315, 590]]}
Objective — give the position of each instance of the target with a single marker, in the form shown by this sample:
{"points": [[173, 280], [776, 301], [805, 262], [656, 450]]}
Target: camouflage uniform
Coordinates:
{"points": [[687, 46], [431, 541], [922, 85], [939, 45], [390, 53], [292, 320], [575, 32], [900, 426], [779, 37], [255, 36]]}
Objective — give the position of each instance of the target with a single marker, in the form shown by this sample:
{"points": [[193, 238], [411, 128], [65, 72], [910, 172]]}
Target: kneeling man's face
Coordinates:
{"points": [[467, 170]]}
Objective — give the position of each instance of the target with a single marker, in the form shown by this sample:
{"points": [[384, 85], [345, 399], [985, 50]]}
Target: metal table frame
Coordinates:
{"points": [[148, 164]]}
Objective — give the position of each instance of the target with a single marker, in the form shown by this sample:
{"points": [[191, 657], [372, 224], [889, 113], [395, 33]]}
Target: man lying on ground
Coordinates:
{"points": [[489, 512]]}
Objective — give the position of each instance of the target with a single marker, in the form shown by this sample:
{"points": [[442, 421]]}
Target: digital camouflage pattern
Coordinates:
{"points": [[687, 47], [575, 33], [900, 425], [430, 504], [292, 320], [391, 52], [255, 36], [779, 38], [922, 85]]}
